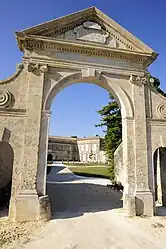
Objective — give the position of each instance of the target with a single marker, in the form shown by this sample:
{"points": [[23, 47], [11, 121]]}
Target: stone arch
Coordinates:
{"points": [[102, 81], [50, 48], [96, 78]]}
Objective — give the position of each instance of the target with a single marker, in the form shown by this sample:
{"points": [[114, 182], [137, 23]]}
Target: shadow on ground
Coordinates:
{"points": [[57, 174], [74, 199], [56, 169], [3, 212], [161, 210]]}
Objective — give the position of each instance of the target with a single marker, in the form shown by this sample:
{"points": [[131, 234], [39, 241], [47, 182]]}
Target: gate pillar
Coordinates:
{"points": [[144, 198], [29, 205]]}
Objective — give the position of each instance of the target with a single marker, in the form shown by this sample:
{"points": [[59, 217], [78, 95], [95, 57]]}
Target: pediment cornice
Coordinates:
{"points": [[68, 23], [36, 43]]}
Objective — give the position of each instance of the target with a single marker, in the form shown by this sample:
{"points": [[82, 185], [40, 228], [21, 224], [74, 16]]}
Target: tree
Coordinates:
{"points": [[112, 122]]}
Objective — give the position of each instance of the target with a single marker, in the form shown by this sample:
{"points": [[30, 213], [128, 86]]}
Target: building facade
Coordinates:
{"points": [[91, 149], [86, 150]]}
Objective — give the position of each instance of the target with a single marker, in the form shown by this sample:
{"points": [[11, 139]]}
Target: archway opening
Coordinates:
{"points": [[49, 162], [6, 168], [159, 159], [72, 149], [49, 158]]}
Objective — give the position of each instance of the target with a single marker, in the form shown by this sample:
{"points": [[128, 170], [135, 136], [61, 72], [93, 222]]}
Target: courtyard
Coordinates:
{"points": [[87, 214]]}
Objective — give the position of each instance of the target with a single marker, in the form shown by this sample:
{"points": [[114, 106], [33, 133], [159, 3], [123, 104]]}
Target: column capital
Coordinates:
{"points": [[141, 80], [37, 68]]}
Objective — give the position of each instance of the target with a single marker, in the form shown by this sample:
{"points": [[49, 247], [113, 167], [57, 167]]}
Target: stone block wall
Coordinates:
{"points": [[118, 160], [90, 149], [63, 149]]}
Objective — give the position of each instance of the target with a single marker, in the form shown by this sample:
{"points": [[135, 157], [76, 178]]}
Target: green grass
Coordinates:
{"points": [[85, 164], [91, 171]]}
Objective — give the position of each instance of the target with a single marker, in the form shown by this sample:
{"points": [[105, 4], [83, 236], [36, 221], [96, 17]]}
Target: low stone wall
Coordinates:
{"points": [[63, 148], [118, 160]]}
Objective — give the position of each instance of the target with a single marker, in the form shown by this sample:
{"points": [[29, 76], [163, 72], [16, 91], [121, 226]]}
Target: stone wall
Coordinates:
{"points": [[63, 148], [89, 149], [118, 160]]}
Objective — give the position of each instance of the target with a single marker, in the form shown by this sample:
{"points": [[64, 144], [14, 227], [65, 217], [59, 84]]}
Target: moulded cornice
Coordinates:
{"points": [[156, 122], [76, 66], [13, 112], [32, 42], [65, 23]]}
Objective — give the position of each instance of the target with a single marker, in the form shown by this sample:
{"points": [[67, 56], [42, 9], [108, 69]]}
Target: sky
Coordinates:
{"points": [[74, 110]]}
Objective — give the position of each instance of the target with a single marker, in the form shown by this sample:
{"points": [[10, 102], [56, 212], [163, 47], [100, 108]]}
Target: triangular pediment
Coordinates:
{"points": [[89, 26]]}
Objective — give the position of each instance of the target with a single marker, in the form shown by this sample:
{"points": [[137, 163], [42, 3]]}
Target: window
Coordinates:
{"points": [[86, 146], [94, 147], [81, 147]]}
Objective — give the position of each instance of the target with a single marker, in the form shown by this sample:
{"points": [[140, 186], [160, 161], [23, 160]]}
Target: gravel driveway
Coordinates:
{"points": [[88, 215]]}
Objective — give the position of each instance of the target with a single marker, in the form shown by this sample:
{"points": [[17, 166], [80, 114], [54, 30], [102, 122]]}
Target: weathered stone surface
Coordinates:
{"points": [[118, 160], [144, 203], [27, 206], [98, 51], [44, 206], [6, 163], [89, 149]]}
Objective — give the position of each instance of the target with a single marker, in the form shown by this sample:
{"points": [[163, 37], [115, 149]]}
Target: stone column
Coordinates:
{"points": [[43, 148], [28, 202], [144, 198], [128, 167]]}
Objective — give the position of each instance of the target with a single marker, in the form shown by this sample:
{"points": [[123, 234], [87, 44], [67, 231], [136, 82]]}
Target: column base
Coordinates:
{"points": [[44, 208], [144, 203], [30, 207], [129, 205]]}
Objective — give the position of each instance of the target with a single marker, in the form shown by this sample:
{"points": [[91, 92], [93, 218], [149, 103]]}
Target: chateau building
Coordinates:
{"points": [[89, 149]]}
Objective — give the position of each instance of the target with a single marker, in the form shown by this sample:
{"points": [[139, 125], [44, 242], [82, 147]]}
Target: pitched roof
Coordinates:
{"points": [[54, 28]]}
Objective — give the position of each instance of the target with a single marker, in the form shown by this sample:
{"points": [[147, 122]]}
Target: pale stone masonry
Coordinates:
{"points": [[63, 148], [92, 149], [86, 150], [86, 46]]}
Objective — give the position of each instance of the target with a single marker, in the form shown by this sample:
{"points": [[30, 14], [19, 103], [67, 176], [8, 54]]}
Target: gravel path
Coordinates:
{"points": [[89, 216]]}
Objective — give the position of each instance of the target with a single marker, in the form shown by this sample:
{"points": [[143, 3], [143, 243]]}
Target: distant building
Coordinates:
{"points": [[89, 149]]}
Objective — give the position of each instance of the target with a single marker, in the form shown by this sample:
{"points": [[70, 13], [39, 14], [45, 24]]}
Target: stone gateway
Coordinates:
{"points": [[86, 46]]}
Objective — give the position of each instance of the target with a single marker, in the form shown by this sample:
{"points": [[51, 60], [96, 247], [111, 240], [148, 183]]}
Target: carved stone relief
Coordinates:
{"points": [[37, 68], [161, 110], [134, 79], [90, 32], [5, 98]]}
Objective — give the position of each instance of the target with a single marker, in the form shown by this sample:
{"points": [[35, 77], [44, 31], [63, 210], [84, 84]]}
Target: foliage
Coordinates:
{"points": [[156, 84], [91, 155], [112, 121]]}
